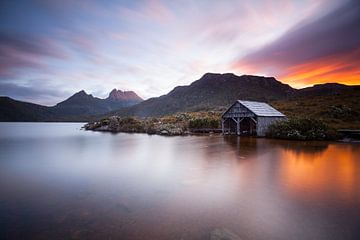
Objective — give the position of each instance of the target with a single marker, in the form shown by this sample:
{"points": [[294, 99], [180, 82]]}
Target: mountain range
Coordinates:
{"points": [[218, 91], [211, 92], [80, 106]]}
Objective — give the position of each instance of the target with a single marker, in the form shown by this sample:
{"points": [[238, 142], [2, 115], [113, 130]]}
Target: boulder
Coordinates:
{"points": [[164, 132], [113, 124]]}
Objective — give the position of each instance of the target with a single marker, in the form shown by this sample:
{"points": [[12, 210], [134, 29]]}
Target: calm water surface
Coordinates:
{"points": [[59, 182]]}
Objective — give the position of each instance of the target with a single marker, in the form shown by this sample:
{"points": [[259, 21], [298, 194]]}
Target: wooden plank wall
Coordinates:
{"points": [[263, 123]]}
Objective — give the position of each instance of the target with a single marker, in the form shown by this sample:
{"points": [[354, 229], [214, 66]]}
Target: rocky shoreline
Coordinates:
{"points": [[209, 122], [177, 125]]}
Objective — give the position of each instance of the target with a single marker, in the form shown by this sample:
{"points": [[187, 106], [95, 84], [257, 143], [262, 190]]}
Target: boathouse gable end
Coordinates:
{"points": [[249, 118], [238, 110]]}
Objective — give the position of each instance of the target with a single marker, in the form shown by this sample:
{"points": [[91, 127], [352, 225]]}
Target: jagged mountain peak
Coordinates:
{"points": [[116, 94], [82, 93], [82, 103]]}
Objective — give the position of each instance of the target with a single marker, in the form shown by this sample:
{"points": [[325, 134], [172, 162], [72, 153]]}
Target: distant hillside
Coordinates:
{"points": [[12, 110], [323, 90], [82, 103], [335, 104], [212, 91], [79, 107]]}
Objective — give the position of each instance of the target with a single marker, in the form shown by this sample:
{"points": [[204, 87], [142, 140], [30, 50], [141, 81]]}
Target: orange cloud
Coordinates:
{"points": [[341, 68]]}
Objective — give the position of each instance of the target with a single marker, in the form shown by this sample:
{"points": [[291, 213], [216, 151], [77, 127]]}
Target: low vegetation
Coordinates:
{"points": [[201, 123], [178, 124], [302, 129], [340, 111]]}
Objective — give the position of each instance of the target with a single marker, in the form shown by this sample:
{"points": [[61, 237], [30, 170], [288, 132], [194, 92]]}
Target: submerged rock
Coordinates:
{"points": [[103, 128], [164, 132], [223, 234]]}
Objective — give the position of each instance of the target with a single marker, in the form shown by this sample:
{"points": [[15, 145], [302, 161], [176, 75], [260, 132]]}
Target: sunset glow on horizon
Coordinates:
{"points": [[333, 69], [50, 50]]}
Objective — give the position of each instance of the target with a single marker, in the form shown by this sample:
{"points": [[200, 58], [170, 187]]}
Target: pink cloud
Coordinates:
{"points": [[24, 51]]}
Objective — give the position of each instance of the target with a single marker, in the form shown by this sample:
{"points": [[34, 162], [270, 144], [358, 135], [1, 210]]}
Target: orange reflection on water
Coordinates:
{"points": [[314, 174]]}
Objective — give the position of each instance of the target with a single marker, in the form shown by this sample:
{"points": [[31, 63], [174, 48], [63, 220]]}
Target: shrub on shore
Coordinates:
{"points": [[302, 129], [199, 123], [177, 124], [130, 124]]}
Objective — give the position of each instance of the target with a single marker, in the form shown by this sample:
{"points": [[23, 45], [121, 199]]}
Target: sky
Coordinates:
{"points": [[51, 49]]}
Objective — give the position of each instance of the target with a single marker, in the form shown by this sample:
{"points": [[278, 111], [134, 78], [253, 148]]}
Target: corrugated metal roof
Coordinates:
{"points": [[261, 109]]}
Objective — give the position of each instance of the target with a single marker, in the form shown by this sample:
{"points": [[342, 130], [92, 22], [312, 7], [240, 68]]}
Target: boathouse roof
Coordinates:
{"points": [[261, 109]]}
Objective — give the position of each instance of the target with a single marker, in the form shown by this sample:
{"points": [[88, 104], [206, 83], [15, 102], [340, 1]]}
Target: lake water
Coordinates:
{"points": [[60, 182]]}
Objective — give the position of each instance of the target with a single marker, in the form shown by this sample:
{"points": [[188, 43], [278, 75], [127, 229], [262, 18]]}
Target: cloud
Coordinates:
{"points": [[323, 46], [339, 67], [25, 51], [153, 10], [151, 46], [47, 93]]}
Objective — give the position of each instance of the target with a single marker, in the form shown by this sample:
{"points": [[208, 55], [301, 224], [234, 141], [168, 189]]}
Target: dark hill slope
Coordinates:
{"points": [[339, 109], [82, 103], [324, 90], [212, 91], [13, 110]]}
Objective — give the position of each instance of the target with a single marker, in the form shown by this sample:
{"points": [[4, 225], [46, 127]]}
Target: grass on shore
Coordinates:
{"points": [[340, 111]]}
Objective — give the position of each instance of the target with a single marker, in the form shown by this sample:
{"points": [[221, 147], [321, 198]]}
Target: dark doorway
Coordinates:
{"points": [[247, 126], [230, 126]]}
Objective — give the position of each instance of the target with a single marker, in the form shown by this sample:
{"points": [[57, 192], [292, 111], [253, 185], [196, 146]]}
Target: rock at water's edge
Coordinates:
{"points": [[223, 234]]}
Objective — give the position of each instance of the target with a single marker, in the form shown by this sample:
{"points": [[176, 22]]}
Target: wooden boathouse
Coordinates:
{"points": [[249, 118]]}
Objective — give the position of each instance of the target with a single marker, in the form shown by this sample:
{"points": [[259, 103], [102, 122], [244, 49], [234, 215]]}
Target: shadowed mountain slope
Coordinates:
{"points": [[212, 91], [13, 110]]}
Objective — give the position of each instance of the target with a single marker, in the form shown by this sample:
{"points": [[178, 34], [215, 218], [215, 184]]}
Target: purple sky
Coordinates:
{"points": [[52, 49]]}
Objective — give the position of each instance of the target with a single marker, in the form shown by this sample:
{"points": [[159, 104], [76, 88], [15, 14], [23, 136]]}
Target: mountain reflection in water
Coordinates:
{"points": [[57, 182]]}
